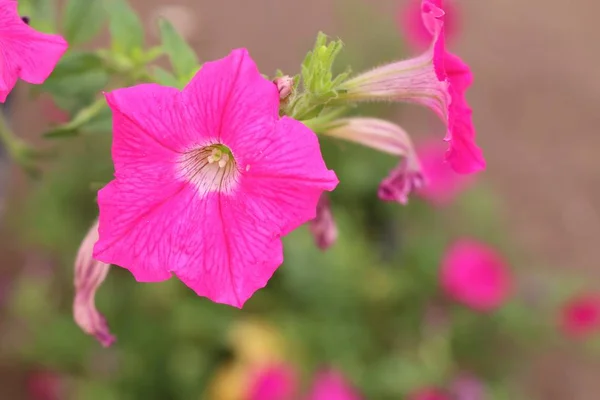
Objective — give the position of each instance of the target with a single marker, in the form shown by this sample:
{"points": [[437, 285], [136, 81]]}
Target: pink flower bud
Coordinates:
{"points": [[323, 226], [389, 138], [89, 275], [285, 85]]}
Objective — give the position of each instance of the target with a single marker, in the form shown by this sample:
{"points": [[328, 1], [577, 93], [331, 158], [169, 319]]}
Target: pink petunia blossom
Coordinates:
{"points": [[580, 316], [428, 393], [274, 383], [474, 274], [442, 183], [410, 22], [26, 53], [436, 79], [207, 180]]}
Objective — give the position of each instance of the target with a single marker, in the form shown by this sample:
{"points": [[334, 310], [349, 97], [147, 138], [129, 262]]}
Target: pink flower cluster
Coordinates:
{"points": [[26, 53]]}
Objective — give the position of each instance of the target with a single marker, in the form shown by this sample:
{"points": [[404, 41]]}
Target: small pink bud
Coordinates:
{"points": [[285, 85], [89, 275], [323, 226]]}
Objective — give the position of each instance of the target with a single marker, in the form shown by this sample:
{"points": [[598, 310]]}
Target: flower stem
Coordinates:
{"points": [[17, 149]]}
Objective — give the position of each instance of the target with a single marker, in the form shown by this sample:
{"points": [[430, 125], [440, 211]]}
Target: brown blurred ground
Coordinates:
{"points": [[535, 102]]}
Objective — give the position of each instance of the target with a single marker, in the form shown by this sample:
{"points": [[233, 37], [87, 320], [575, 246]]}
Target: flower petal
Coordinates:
{"points": [[145, 139], [286, 175], [229, 251], [232, 101], [89, 275], [24, 52]]}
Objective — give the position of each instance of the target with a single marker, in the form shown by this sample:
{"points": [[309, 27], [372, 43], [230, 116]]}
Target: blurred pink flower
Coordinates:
{"points": [[45, 385], [474, 274], [280, 383], [417, 35], [331, 385], [442, 184], [207, 181], [274, 383], [467, 387], [26, 53], [436, 79], [429, 393], [580, 316]]}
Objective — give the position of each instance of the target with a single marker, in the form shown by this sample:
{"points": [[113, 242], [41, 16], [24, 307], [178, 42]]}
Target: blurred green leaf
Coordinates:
{"points": [[76, 81], [83, 20], [126, 30], [183, 58]]}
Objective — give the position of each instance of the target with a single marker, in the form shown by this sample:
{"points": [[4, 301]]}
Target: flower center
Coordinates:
{"points": [[210, 168]]}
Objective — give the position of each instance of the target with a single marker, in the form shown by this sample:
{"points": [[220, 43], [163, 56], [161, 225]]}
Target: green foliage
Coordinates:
{"points": [[182, 57], [83, 20], [319, 85], [126, 30]]}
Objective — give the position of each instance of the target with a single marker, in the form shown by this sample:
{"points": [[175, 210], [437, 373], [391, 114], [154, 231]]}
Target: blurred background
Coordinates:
{"points": [[371, 306]]}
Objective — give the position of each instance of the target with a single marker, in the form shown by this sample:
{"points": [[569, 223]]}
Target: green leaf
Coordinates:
{"points": [[182, 57], [83, 20], [76, 80], [126, 30], [164, 77]]}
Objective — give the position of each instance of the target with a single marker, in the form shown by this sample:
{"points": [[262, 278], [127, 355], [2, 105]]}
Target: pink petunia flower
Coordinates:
{"points": [[274, 383], [26, 53], [280, 383], [389, 138], [475, 275], [429, 393], [442, 183], [207, 180], [410, 22], [580, 316], [436, 79]]}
